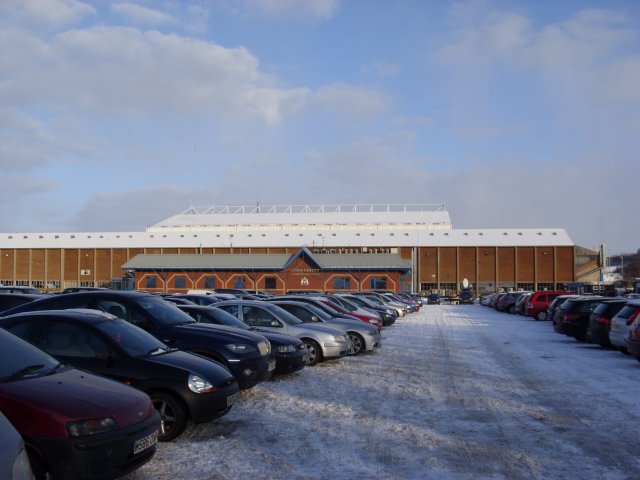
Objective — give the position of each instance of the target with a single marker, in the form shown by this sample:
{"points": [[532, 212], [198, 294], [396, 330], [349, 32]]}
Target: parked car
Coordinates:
{"points": [[434, 299], [10, 300], [572, 318], [14, 462], [522, 302], [555, 304], [379, 299], [246, 354], [322, 342], [621, 322], [19, 289], [633, 337], [364, 338], [182, 386], [70, 420], [466, 296], [600, 320], [538, 302], [496, 298], [290, 352], [388, 314], [344, 305], [507, 302]]}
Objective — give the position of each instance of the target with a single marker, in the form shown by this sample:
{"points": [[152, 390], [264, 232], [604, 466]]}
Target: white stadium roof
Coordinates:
{"points": [[295, 226]]}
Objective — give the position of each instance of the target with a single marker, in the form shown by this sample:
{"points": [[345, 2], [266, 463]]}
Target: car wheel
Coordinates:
{"points": [[173, 415], [314, 354], [357, 343], [512, 309], [40, 469], [541, 316]]}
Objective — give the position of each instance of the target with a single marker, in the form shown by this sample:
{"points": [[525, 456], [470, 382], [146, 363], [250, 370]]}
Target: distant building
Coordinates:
{"points": [[226, 246]]}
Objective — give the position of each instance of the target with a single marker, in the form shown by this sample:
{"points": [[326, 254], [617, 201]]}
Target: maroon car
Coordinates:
{"points": [[75, 425]]}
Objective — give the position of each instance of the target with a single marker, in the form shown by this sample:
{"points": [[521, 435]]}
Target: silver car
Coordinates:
{"points": [[364, 337], [322, 341], [620, 325], [14, 463]]}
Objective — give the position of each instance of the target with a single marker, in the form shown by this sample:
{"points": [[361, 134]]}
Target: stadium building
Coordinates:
{"points": [[281, 248]]}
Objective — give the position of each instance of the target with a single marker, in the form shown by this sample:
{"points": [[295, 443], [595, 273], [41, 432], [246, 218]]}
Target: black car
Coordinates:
{"points": [[196, 298], [289, 351], [600, 321], [182, 386], [572, 318], [246, 354], [11, 300], [466, 296], [434, 299]]}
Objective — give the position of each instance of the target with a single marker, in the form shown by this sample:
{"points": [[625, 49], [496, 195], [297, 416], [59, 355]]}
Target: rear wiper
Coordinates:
{"points": [[28, 370]]}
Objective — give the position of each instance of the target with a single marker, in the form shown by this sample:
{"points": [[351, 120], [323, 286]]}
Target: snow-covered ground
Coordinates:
{"points": [[456, 392]]}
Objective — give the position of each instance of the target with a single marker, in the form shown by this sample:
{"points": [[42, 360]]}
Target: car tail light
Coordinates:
{"points": [[633, 316], [602, 320], [568, 317]]}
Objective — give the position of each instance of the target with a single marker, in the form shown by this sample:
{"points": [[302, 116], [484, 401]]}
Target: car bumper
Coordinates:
{"points": [[618, 334], [575, 330], [291, 361], [250, 372], [598, 334], [101, 456], [205, 407], [372, 342], [335, 349]]}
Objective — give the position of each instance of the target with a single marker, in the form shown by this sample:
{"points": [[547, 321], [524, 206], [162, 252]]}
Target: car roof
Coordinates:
{"points": [[83, 314]]}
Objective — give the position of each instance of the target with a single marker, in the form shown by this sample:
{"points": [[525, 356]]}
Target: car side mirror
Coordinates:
{"points": [[275, 323], [314, 318]]}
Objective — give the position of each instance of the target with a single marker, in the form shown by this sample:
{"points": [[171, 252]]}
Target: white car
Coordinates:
{"points": [[620, 325]]}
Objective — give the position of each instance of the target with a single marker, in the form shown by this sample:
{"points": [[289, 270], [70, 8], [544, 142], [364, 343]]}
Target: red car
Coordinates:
{"points": [[75, 425], [538, 302]]}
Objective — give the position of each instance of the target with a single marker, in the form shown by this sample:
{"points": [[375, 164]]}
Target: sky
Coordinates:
{"points": [[514, 114]]}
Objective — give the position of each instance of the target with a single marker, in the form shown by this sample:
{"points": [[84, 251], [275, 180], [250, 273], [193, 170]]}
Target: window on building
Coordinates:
{"points": [[506, 286], [486, 287], [210, 282], [427, 287], [270, 283], [525, 286], [151, 282], [546, 286], [38, 284], [448, 286], [180, 282], [378, 283], [239, 282], [471, 285], [341, 283]]}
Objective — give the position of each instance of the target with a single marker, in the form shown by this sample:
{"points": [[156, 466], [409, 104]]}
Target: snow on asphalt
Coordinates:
{"points": [[455, 392]]}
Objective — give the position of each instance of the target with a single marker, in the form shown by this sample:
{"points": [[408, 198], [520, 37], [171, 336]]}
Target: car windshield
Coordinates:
{"points": [[19, 359], [163, 311], [322, 315], [135, 341], [220, 317], [283, 315]]}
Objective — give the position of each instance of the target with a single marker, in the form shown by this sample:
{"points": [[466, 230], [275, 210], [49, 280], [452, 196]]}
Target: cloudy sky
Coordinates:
{"points": [[115, 115]]}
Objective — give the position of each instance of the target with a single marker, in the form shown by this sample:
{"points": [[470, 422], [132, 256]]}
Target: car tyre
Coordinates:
{"points": [[314, 354], [541, 316], [40, 469], [173, 415], [357, 343]]}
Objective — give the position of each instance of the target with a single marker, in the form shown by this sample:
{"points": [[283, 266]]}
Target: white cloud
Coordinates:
{"points": [[123, 70], [44, 13], [141, 15], [350, 101], [292, 8]]}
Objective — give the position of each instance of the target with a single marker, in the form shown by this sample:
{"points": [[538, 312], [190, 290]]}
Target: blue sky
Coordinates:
{"points": [[515, 114]]}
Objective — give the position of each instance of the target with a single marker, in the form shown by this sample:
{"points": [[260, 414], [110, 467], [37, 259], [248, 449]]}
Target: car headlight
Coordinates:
{"points": [[285, 348], [91, 427], [341, 338], [198, 384], [373, 321], [239, 347]]}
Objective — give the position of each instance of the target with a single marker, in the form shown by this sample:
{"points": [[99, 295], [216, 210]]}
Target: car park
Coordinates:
{"points": [[246, 354], [555, 304], [71, 420], [182, 386], [600, 320], [572, 318], [14, 462], [401, 309], [507, 302], [364, 338], [322, 342], [290, 352], [538, 302], [344, 305], [621, 322], [522, 302]]}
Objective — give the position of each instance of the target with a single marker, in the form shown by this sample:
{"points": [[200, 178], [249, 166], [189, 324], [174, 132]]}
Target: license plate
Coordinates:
{"points": [[147, 442], [272, 365], [231, 399]]}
